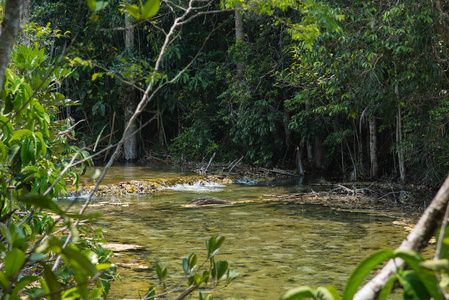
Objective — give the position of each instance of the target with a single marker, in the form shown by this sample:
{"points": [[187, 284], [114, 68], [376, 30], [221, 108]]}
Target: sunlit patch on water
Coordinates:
{"points": [[198, 187]]}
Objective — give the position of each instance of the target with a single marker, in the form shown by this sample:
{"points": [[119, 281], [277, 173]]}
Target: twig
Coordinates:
{"points": [[186, 292], [230, 170], [210, 160]]}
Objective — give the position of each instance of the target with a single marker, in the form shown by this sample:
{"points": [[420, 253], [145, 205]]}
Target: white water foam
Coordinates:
{"points": [[248, 181], [199, 187]]}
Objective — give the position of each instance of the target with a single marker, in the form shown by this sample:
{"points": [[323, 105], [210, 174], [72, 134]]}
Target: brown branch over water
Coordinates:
{"points": [[416, 240]]}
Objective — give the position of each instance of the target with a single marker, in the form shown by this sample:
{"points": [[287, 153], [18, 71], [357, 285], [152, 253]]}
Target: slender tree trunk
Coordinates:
{"points": [[399, 149], [26, 21], [373, 148], [9, 31], [129, 32], [299, 166], [130, 147], [239, 35], [308, 143]]}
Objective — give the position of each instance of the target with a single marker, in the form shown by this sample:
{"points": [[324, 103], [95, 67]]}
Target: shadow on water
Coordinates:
{"points": [[274, 246]]}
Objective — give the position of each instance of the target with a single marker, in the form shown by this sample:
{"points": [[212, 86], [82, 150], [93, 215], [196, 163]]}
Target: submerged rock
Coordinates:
{"points": [[139, 187], [208, 201]]}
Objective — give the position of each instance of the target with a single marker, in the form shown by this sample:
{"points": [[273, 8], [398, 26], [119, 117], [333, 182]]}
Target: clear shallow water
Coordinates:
{"points": [[274, 246]]}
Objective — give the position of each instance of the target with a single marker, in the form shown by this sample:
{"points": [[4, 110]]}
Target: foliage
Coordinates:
{"points": [[217, 272], [377, 70], [35, 147]]}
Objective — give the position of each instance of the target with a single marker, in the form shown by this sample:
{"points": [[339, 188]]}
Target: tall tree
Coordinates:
{"points": [[130, 150], [9, 31], [239, 36]]}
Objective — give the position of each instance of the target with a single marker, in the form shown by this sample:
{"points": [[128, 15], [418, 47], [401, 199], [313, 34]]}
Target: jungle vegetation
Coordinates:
{"points": [[356, 87]]}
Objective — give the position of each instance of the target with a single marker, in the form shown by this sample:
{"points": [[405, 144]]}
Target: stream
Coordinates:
{"points": [[274, 246]]}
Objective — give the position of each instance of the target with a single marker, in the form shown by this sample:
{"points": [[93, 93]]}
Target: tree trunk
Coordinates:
{"points": [[373, 148], [26, 21], [416, 240], [399, 149], [298, 159], [308, 142], [9, 31], [239, 35], [130, 147], [129, 32]]}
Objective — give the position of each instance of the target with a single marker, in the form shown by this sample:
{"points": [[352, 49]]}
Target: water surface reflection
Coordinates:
{"points": [[275, 246]]}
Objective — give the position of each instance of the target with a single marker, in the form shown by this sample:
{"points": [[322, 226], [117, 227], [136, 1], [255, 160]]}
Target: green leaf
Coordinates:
{"points": [[12, 154], [23, 282], [363, 269], [385, 292], [4, 281], [37, 256], [103, 266], [20, 134], [51, 282], [324, 294], [439, 265], [414, 289], [430, 281], [192, 261], [133, 10], [95, 75], [41, 147], [7, 127], [222, 267], [51, 244], [100, 5], [185, 266], [219, 242], [298, 293], [205, 277], [150, 9], [74, 255], [3, 151], [27, 152], [92, 5], [333, 291], [41, 202], [14, 260]]}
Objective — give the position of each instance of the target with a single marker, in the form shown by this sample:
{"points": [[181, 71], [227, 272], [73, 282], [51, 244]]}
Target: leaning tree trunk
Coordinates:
{"points": [[373, 148], [130, 147], [416, 240], [9, 31]]}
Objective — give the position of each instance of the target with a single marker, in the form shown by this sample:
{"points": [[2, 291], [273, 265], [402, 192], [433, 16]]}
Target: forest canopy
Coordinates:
{"points": [[359, 87]]}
